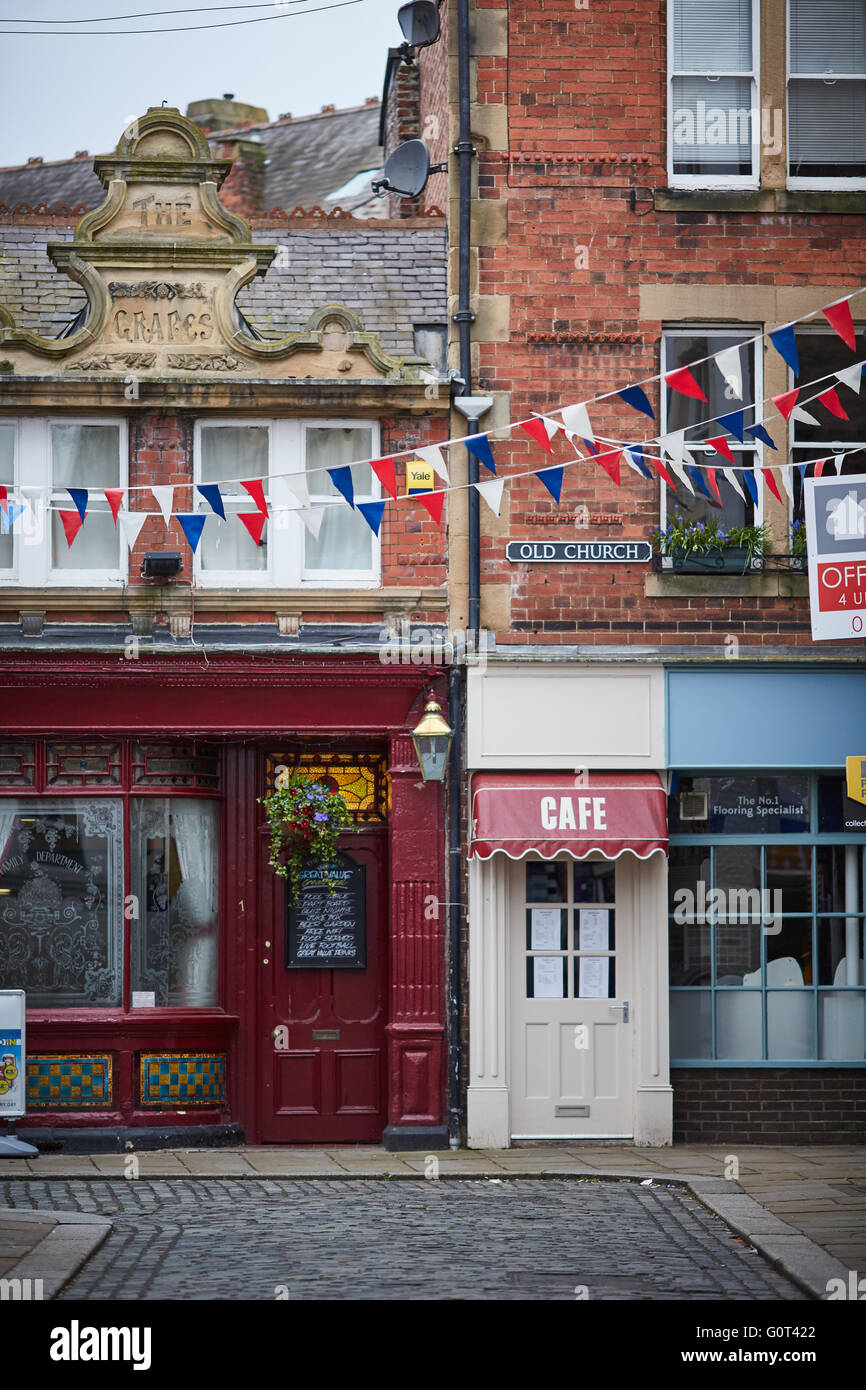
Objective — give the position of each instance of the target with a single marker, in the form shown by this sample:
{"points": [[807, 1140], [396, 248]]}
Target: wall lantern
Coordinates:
{"points": [[432, 739]]}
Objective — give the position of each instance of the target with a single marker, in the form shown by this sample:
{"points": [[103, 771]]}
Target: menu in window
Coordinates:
{"points": [[547, 977], [545, 934], [594, 977], [594, 932]]}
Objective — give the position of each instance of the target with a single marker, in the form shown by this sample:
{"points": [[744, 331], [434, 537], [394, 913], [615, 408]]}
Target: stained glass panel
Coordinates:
{"points": [[363, 782]]}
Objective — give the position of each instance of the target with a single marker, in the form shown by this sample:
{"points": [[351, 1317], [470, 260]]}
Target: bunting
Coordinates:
{"points": [[682, 380], [372, 513], [552, 480], [729, 364], [114, 498], [255, 524], [256, 490], [433, 502], [637, 398], [785, 343], [164, 499], [131, 524], [212, 495], [479, 445], [342, 480], [386, 472], [192, 525], [839, 318], [537, 430], [492, 493], [72, 523], [79, 500]]}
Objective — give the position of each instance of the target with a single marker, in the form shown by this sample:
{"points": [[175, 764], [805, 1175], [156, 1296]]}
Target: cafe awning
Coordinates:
{"points": [[612, 813]]}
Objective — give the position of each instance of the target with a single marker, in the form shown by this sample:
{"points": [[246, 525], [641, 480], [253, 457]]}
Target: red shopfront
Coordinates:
{"points": [[138, 909]]}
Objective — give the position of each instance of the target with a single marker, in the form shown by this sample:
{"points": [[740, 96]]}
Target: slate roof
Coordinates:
{"points": [[392, 277], [310, 158]]}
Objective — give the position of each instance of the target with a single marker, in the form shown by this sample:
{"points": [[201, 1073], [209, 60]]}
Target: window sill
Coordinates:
{"points": [[140, 598], [762, 200], [677, 584]]}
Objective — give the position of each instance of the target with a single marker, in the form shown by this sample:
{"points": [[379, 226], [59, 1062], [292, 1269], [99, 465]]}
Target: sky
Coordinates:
{"points": [[63, 94]]}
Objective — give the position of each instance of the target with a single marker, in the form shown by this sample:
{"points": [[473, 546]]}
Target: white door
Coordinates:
{"points": [[570, 961]]}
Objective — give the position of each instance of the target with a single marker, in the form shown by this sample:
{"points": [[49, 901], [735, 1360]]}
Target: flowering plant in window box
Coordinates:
{"points": [[699, 546], [305, 820], [798, 544]]}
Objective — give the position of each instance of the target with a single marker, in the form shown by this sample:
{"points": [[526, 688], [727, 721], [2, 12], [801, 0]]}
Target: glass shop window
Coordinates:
{"points": [[766, 920]]}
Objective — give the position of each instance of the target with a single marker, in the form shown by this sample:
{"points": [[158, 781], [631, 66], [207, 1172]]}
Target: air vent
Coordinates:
{"points": [[693, 806]]}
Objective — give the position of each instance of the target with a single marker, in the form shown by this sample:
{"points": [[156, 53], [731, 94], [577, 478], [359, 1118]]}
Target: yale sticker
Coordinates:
{"points": [[855, 769], [419, 478]]}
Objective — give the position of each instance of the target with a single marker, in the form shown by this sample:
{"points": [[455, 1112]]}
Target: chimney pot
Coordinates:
{"points": [[228, 96], [36, 159]]}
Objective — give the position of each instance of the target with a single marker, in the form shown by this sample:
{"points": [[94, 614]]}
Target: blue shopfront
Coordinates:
{"points": [[766, 903]]}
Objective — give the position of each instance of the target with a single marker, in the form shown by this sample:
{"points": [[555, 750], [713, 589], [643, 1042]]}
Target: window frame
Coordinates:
{"points": [[795, 181], [33, 564], [835, 446], [721, 181], [686, 330], [286, 568], [813, 839]]}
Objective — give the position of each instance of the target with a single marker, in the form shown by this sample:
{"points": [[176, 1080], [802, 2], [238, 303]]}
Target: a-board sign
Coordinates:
{"points": [[578, 552], [327, 927], [13, 1050]]}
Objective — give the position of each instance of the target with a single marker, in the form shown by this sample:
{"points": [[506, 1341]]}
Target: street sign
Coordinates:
{"points": [[836, 538], [578, 552], [12, 1053]]}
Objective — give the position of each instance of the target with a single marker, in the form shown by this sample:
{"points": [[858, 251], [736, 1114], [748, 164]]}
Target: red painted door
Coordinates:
{"points": [[322, 1031]]}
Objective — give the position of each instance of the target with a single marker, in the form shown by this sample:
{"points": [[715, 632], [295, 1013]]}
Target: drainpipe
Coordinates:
{"points": [[455, 899], [465, 151]]}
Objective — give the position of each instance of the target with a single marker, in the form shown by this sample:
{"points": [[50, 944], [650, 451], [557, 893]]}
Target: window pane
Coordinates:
{"points": [[345, 541], [738, 1024], [836, 810], [594, 883], [688, 869], [738, 905], [711, 124], [827, 129], [85, 456], [818, 354], [689, 953], [713, 35], [7, 477], [683, 350], [840, 951], [741, 805], [232, 452], [840, 878], [790, 1024], [691, 1023], [789, 879], [545, 883], [734, 510], [61, 901], [840, 1026], [828, 36], [175, 875]]}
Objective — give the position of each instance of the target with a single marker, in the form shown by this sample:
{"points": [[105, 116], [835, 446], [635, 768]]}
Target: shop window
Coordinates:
{"points": [[766, 920], [827, 93], [687, 347], [65, 926], [820, 354], [713, 122]]}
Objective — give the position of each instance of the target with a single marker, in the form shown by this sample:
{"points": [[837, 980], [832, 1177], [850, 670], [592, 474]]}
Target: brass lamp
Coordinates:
{"points": [[432, 739]]}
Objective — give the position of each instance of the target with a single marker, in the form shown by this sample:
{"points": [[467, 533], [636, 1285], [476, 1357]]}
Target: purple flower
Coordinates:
{"points": [[320, 815]]}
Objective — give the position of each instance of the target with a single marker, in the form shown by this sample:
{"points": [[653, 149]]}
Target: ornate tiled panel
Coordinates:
{"points": [[171, 1079], [63, 1082]]}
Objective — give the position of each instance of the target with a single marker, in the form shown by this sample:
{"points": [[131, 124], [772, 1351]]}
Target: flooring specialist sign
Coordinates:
{"points": [[578, 552]]}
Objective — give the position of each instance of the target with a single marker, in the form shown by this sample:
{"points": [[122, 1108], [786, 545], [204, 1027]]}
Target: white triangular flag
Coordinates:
{"points": [[576, 421], [297, 485], [312, 517], [432, 454], [728, 363], [164, 500], [679, 468], [798, 413], [839, 460], [852, 376], [131, 524], [785, 474], [631, 463], [734, 481], [282, 498], [552, 426], [491, 491], [673, 444]]}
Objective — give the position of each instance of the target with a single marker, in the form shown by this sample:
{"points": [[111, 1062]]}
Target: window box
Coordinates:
{"points": [[734, 560]]}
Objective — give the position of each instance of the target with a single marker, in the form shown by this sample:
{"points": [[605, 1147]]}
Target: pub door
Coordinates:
{"points": [[322, 1030]]}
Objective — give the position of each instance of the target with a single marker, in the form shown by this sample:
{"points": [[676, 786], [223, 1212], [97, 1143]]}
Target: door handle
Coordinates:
{"points": [[624, 1007]]}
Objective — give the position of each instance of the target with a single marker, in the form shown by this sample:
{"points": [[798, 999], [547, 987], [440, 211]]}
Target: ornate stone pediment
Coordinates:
{"points": [[161, 262]]}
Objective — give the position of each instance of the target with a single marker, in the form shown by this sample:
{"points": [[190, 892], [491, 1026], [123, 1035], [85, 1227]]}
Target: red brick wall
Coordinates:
{"points": [[433, 63], [768, 1105]]}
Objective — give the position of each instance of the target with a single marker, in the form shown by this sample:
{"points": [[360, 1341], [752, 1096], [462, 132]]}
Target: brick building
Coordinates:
{"points": [[194, 357], [654, 184]]}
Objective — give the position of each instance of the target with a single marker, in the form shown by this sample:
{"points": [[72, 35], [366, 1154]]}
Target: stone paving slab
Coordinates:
{"points": [[47, 1248]]}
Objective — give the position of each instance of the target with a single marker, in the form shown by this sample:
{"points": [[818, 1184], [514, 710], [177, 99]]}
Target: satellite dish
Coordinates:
{"points": [[406, 170], [419, 22]]}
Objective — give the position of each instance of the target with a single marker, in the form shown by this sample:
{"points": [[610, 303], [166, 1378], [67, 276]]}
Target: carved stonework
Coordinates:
{"points": [[161, 262]]}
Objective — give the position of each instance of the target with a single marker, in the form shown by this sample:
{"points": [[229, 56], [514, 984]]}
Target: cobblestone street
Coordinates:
{"points": [[361, 1239]]}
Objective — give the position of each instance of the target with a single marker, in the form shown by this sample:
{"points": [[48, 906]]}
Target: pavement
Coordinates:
{"points": [[803, 1208]]}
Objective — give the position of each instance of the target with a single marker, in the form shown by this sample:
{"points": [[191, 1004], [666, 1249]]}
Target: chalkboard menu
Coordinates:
{"points": [[327, 927]]}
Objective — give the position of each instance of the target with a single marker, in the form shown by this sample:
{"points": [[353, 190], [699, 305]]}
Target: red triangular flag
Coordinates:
{"points": [[257, 493], [114, 496], [786, 402], [819, 468], [771, 482], [839, 317], [72, 524], [433, 502], [663, 472], [830, 399], [536, 430], [254, 522], [610, 463], [722, 447], [3, 498], [682, 380], [387, 475], [711, 479]]}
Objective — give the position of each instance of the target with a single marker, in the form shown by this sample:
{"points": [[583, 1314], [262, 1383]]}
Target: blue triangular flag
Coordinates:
{"points": [[760, 433], [695, 475], [8, 516], [802, 468], [785, 343], [479, 445], [636, 397], [193, 525], [733, 423], [211, 493], [552, 479], [372, 514], [748, 478], [342, 480], [79, 497], [636, 451]]}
